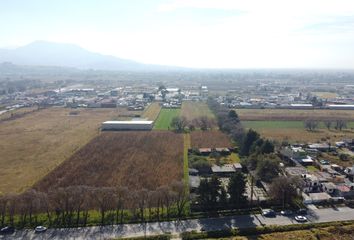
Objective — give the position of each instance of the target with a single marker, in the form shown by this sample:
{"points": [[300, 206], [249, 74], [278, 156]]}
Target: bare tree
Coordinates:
{"points": [[340, 124], [328, 124], [284, 189], [120, 199], [151, 203], [181, 196], [3, 207], [205, 123], [104, 201], [45, 205], [179, 123], [142, 202], [311, 124], [11, 207], [167, 200], [159, 201]]}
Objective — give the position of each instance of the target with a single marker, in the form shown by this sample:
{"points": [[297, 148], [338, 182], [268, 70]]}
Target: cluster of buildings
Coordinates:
{"points": [[288, 96], [134, 98], [222, 170], [323, 181]]}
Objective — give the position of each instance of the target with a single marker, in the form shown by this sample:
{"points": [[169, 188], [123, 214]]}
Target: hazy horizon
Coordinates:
{"points": [[220, 34]]}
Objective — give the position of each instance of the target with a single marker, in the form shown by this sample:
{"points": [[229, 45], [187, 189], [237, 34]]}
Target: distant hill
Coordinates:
{"points": [[41, 53]]}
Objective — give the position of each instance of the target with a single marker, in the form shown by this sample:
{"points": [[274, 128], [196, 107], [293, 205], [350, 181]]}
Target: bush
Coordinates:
{"points": [[156, 237], [343, 157]]}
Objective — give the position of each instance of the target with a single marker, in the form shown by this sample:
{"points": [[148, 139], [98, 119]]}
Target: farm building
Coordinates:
{"points": [[341, 106], [127, 125]]}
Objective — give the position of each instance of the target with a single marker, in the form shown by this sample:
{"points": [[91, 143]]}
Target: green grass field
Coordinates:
{"points": [[165, 117]]}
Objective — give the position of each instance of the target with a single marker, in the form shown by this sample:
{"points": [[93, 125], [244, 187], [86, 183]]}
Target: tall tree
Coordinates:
{"points": [[267, 147], [236, 189], [311, 124], [233, 115], [181, 196], [179, 123], [340, 124], [284, 189], [328, 124], [250, 138], [267, 167]]}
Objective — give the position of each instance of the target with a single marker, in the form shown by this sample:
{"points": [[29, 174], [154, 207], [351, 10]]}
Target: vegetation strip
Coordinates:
{"points": [[260, 230], [163, 121]]}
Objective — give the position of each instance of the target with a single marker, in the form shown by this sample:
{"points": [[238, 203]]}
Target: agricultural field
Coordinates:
{"points": [[33, 145], [152, 111], [325, 94], [209, 139], [17, 113], [165, 117], [294, 131], [293, 114], [192, 110], [132, 159]]}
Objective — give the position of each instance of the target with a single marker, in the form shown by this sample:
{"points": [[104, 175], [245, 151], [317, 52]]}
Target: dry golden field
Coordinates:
{"points": [[152, 111], [294, 131], [293, 114], [209, 139], [17, 113], [134, 159], [192, 110], [36, 143]]}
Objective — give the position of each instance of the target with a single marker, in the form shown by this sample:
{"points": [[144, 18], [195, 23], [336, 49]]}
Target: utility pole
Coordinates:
{"points": [[252, 182]]}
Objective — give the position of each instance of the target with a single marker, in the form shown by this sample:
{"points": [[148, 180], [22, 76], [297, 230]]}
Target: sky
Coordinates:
{"points": [[192, 33]]}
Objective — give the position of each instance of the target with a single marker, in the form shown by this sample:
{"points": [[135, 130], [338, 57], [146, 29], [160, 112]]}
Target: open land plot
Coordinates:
{"points": [[16, 113], [209, 139], [152, 111], [192, 110], [132, 159], [165, 117], [325, 94], [33, 145], [294, 131], [293, 114]]}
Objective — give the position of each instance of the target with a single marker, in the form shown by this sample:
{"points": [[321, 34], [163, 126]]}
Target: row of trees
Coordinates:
{"points": [[212, 194], [228, 121], [181, 123], [78, 205], [312, 124]]}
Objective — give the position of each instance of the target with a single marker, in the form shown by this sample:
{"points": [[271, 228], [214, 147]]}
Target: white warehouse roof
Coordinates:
{"points": [[128, 122], [127, 125]]}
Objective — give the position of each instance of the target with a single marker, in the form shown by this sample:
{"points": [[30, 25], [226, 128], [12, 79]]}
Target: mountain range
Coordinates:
{"points": [[41, 53]]}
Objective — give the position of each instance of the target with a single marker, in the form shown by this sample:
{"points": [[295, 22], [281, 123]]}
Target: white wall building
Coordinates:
{"points": [[127, 125]]}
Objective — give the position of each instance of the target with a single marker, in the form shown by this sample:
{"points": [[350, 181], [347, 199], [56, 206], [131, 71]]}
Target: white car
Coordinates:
{"points": [[40, 229], [300, 218]]}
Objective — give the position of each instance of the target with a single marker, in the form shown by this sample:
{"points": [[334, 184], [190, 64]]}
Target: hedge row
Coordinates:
{"points": [[155, 237], [258, 230]]}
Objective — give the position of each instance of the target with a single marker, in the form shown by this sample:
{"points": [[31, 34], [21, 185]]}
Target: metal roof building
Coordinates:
{"points": [[127, 125]]}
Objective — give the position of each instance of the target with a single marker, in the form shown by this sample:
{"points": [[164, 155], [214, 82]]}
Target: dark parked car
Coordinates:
{"points": [[302, 211], [7, 230], [268, 213], [286, 212]]}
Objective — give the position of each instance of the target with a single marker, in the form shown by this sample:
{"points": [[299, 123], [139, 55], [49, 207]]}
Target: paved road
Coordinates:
{"points": [[176, 227]]}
